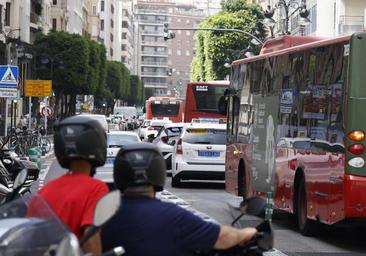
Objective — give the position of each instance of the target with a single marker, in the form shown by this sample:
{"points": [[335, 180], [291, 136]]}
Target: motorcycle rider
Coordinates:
{"points": [[145, 225], [80, 146]]}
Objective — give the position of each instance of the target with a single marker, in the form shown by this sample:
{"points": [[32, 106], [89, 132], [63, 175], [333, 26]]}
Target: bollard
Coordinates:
{"points": [[269, 206]]}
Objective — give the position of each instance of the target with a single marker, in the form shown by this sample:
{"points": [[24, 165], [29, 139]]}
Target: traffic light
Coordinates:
{"points": [[169, 72], [167, 34], [166, 31]]}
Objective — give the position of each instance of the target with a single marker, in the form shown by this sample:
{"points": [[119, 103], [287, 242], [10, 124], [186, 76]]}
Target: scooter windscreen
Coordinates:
{"points": [[29, 227], [265, 236]]}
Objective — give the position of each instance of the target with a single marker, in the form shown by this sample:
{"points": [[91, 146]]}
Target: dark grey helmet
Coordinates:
{"points": [[80, 137], [139, 165]]}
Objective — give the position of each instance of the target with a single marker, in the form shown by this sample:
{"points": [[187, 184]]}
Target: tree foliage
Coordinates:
{"points": [[213, 48], [136, 91]]}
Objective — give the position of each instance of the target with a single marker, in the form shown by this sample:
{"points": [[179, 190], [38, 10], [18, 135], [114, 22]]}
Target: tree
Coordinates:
{"points": [[136, 87], [213, 48]]}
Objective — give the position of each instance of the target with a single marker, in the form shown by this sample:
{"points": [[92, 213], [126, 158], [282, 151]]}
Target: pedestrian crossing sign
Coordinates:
{"points": [[8, 76]]}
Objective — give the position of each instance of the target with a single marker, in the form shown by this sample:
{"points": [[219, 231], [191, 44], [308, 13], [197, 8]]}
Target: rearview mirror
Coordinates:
{"points": [[106, 208], [20, 178]]}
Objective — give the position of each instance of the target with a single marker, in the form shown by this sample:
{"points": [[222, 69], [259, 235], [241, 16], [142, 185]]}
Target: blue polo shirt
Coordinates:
{"points": [[148, 226]]}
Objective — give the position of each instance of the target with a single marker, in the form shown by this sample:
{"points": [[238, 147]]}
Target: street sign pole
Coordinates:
{"points": [[30, 113]]}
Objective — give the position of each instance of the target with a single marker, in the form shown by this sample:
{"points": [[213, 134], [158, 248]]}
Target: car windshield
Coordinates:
{"points": [[205, 136], [121, 139]]}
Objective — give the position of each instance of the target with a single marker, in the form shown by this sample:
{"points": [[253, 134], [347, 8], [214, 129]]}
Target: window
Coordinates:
{"points": [[188, 53], [102, 25], [7, 14], [111, 52], [102, 6], [94, 10], [123, 59], [124, 35], [54, 24], [111, 37], [112, 23], [179, 52], [1, 17], [124, 24], [123, 47], [112, 8], [54, 2], [188, 33]]}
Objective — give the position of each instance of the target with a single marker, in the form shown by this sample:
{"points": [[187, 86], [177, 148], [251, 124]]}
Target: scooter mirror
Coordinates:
{"points": [[106, 208], [68, 246], [253, 205], [20, 178]]}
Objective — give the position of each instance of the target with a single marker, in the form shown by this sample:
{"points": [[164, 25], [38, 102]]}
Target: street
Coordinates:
{"points": [[211, 199]]}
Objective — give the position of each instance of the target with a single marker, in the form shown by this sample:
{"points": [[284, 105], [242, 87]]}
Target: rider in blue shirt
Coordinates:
{"points": [[147, 226]]}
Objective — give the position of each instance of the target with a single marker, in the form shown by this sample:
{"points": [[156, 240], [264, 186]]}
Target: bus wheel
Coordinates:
{"points": [[175, 181], [306, 226]]}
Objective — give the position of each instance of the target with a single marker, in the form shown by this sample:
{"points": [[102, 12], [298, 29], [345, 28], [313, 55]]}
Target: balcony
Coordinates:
{"points": [[154, 33], [155, 43], [155, 85], [154, 74], [165, 54], [151, 21], [34, 18], [155, 63], [152, 11], [351, 24]]}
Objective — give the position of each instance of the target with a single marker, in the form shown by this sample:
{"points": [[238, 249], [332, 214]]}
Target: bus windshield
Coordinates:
{"points": [[164, 109], [207, 97]]}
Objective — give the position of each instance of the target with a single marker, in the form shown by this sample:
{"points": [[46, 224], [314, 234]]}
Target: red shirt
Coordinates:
{"points": [[73, 197]]}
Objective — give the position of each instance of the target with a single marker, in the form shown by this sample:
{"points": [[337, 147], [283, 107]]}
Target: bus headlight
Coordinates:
{"points": [[356, 162]]}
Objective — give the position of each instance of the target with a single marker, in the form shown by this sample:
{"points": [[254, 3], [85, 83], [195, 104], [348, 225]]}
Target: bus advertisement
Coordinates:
{"points": [[202, 99], [164, 108], [296, 128]]}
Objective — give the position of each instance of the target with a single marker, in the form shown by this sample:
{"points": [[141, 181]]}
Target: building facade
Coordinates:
{"points": [[152, 50], [127, 35], [181, 48]]}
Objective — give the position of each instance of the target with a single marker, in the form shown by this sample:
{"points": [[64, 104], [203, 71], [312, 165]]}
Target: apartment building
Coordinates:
{"points": [[67, 16], [181, 48], [328, 18], [152, 50], [91, 21], [110, 14], [207, 7], [127, 35]]}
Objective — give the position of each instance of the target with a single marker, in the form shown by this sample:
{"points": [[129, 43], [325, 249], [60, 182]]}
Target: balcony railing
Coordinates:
{"points": [[351, 24], [149, 21], [157, 43], [155, 63], [144, 73], [146, 32], [152, 11], [154, 53]]}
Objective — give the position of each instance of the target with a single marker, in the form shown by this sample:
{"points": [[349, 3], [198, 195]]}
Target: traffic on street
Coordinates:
{"points": [[182, 127]]}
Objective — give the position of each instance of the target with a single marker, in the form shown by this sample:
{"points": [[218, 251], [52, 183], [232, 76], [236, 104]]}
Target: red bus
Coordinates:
{"points": [[202, 99], [296, 128], [164, 107]]}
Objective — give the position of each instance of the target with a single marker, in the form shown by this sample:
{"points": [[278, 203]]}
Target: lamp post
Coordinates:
{"points": [[285, 6]]}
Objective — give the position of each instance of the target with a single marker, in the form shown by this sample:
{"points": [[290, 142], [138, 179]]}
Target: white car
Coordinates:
{"points": [[115, 140], [165, 140], [154, 128], [199, 153], [142, 129], [102, 119]]}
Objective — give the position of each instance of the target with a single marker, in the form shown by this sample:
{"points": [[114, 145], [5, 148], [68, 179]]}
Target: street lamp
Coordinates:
{"points": [[286, 7]]}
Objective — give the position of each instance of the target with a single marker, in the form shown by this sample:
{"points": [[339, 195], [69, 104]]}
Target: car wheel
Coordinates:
{"points": [[175, 181], [306, 226]]}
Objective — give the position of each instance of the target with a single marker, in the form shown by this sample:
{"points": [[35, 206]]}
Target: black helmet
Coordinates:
{"points": [[139, 165], [80, 137]]}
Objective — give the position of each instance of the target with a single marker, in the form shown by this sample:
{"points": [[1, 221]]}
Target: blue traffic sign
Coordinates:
{"points": [[9, 76]]}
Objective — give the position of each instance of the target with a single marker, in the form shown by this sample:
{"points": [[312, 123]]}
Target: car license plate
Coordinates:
{"points": [[208, 153], [109, 161]]}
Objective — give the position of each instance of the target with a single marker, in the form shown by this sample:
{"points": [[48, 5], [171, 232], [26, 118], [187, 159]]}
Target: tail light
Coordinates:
{"points": [[179, 147], [356, 149], [165, 139], [356, 136]]}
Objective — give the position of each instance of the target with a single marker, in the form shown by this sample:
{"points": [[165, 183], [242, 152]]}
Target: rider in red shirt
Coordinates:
{"points": [[80, 146]]}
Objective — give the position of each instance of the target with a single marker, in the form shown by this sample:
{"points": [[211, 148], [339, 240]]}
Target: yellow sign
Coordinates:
{"points": [[38, 88]]}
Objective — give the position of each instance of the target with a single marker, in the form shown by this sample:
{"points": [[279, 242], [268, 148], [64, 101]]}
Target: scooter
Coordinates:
{"points": [[30, 227], [9, 194], [262, 241]]}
